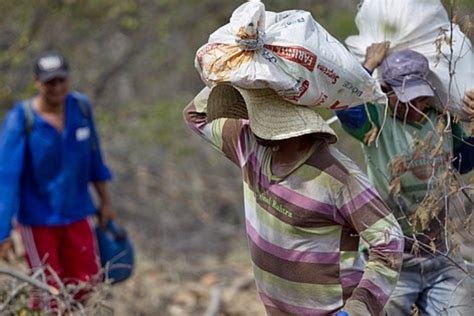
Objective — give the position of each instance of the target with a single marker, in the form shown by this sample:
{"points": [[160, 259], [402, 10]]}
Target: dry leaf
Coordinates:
{"points": [[432, 246], [456, 249], [467, 224], [466, 25], [440, 126], [438, 149], [398, 166], [428, 139], [371, 136], [425, 213], [417, 154], [415, 249], [395, 186], [455, 188]]}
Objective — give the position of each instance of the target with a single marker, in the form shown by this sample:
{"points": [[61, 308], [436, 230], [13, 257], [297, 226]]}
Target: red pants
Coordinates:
{"points": [[70, 250]]}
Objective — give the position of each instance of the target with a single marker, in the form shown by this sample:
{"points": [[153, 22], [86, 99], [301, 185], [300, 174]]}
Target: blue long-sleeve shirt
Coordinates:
{"points": [[44, 174]]}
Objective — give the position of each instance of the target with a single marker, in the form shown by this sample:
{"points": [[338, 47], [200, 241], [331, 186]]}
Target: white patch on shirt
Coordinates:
{"points": [[83, 133]]}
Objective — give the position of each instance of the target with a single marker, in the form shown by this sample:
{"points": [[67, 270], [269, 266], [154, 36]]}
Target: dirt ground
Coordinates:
{"points": [[175, 284]]}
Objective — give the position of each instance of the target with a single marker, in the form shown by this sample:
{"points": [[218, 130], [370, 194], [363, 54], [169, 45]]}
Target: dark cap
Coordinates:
{"points": [[50, 65], [406, 73]]}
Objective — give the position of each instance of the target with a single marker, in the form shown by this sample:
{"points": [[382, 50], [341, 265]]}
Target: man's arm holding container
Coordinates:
{"points": [[100, 173], [12, 152]]}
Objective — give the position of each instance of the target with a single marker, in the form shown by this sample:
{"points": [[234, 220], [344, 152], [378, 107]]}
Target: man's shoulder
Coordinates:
{"points": [[16, 114], [232, 128], [340, 168], [14, 121], [79, 97], [81, 101], [333, 163]]}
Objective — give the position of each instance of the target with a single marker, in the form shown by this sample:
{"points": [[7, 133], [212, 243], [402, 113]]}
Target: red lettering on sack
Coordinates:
{"points": [[323, 98], [297, 54], [337, 106], [304, 87], [330, 73]]}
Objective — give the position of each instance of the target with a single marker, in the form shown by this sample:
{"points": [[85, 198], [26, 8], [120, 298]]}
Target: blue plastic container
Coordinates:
{"points": [[116, 252]]}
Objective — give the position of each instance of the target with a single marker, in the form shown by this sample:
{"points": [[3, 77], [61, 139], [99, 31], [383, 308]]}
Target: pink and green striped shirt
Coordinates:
{"points": [[303, 230]]}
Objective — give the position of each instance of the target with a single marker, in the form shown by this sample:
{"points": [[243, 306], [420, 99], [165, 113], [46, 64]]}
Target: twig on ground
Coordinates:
{"points": [[215, 301], [23, 277]]}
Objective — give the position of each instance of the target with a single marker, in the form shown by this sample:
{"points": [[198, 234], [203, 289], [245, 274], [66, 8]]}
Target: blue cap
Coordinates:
{"points": [[406, 73]]}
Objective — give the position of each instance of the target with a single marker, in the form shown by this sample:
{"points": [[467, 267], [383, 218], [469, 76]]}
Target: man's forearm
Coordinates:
{"points": [[383, 267], [378, 282], [102, 189], [370, 217], [105, 213]]}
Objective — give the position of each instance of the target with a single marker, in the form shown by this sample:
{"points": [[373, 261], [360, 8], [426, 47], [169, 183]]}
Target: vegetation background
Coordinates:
{"points": [[181, 201]]}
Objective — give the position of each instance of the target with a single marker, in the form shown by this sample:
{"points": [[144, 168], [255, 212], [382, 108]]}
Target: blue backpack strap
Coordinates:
{"points": [[84, 108], [28, 109], [86, 112], [27, 106]]}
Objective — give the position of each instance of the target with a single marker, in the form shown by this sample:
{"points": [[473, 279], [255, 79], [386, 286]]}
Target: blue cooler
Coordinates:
{"points": [[116, 252]]}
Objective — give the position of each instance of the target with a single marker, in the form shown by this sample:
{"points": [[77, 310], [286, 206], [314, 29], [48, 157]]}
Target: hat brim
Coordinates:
{"points": [[270, 116], [61, 73], [408, 93]]}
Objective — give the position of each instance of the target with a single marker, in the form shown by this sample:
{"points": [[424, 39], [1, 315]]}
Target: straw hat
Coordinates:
{"points": [[270, 116]]}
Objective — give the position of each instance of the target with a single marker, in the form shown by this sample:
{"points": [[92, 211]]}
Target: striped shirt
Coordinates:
{"points": [[303, 229]]}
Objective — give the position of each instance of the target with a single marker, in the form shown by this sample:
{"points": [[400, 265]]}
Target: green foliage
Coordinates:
{"points": [[124, 51], [133, 51], [342, 25], [170, 125], [159, 125]]}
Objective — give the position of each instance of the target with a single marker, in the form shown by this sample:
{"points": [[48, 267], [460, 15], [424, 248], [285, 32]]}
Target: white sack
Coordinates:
{"points": [[288, 52], [420, 25]]}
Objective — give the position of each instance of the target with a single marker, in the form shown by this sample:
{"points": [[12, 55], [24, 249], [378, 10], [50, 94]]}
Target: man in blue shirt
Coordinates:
{"points": [[49, 154]]}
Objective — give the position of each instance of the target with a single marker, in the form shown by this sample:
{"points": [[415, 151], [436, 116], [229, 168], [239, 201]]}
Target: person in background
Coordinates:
{"points": [[409, 164], [306, 205], [49, 154]]}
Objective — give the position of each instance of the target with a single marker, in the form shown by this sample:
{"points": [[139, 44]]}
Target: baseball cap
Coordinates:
{"points": [[406, 73], [50, 65]]}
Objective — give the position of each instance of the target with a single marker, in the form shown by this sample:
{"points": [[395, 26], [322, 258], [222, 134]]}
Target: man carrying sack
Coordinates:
{"points": [[412, 164], [306, 205]]}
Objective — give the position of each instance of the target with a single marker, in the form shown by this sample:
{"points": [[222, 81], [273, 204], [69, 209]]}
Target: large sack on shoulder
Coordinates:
{"points": [[288, 52], [423, 26]]}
